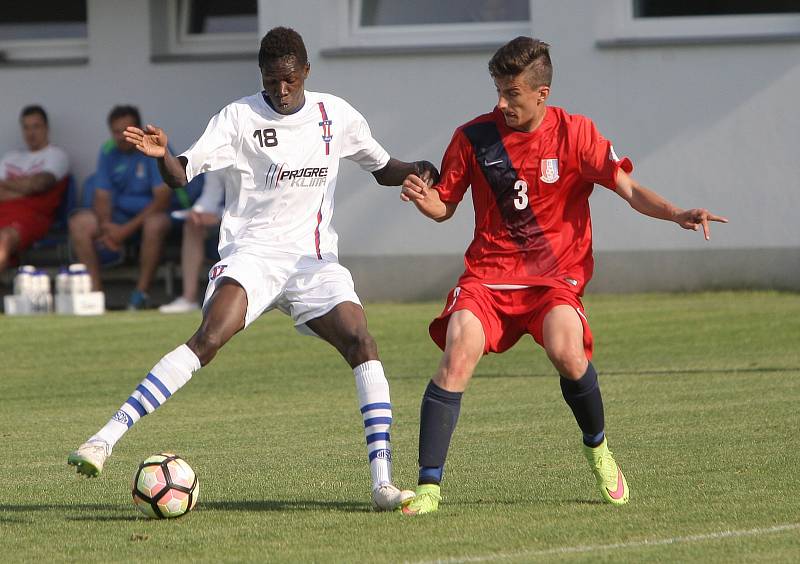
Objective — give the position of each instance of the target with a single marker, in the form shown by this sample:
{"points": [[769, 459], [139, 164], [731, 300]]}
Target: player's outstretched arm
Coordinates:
{"points": [[647, 202], [396, 171], [152, 141], [426, 198]]}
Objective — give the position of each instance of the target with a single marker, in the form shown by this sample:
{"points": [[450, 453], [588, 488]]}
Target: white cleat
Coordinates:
{"points": [[90, 458], [179, 305], [386, 497]]}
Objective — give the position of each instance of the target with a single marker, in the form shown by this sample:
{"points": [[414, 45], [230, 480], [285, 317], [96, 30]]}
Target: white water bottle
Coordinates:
{"points": [[62, 281]]}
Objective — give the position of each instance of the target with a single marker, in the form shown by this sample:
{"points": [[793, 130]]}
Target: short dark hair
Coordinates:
{"points": [[34, 109], [122, 111], [280, 42], [520, 55]]}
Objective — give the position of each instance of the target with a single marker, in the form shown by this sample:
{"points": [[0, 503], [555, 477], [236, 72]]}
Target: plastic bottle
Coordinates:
{"points": [[62, 281]]}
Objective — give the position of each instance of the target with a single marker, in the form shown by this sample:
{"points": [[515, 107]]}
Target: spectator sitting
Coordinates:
{"points": [[32, 183], [130, 203], [199, 221]]}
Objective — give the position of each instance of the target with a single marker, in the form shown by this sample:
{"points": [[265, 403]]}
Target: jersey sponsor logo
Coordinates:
{"points": [[571, 281], [279, 176], [214, 273], [121, 416], [549, 170], [325, 124], [493, 163]]}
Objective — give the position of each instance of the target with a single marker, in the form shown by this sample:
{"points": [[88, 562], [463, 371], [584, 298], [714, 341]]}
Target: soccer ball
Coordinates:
{"points": [[165, 486]]}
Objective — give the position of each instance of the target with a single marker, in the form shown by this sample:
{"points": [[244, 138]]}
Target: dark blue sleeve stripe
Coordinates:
{"points": [[138, 407], [371, 406], [377, 437], [149, 395], [159, 384], [377, 421]]}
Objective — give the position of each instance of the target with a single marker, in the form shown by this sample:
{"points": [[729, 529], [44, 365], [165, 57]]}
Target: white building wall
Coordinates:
{"points": [[706, 125]]}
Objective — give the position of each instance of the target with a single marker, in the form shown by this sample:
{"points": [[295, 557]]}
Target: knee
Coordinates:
{"points": [[81, 225], [569, 359], [155, 224], [455, 370], [205, 344], [360, 347]]}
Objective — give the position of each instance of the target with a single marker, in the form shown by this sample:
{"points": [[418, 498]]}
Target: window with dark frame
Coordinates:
{"points": [[424, 12], [678, 8], [43, 20], [222, 16]]}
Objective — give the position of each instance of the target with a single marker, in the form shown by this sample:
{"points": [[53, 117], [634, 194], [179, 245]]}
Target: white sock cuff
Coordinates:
{"points": [[176, 367], [370, 372]]}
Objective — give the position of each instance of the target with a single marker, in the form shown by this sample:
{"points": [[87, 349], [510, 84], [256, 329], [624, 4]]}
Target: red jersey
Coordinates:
{"points": [[531, 197]]}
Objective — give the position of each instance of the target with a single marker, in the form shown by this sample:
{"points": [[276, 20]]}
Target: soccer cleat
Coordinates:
{"points": [[90, 457], [610, 479], [179, 305], [387, 497], [426, 500]]}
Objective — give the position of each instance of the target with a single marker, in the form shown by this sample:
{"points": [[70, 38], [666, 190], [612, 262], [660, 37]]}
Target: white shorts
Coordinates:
{"points": [[302, 287]]}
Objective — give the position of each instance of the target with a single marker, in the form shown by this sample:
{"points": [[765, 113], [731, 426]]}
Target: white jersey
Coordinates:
{"points": [[51, 159], [281, 171]]}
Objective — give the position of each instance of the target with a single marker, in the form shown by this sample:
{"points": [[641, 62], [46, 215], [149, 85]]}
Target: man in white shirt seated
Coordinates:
{"points": [[32, 183], [199, 222]]}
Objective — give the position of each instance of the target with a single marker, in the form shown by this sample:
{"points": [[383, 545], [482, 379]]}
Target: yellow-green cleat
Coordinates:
{"points": [[610, 479], [426, 500]]}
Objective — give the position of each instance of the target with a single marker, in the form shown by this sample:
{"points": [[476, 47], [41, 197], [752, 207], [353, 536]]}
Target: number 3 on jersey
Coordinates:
{"points": [[521, 199], [266, 137]]}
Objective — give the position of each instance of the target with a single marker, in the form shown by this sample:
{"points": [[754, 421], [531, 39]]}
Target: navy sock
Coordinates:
{"points": [[583, 397], [438, 417]]}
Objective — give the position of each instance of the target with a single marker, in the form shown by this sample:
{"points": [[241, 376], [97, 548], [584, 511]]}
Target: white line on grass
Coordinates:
{"points": [[635, 544]]}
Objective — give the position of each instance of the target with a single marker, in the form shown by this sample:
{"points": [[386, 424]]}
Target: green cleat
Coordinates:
{"points": [[90, 458], [426, 500], [610, 480]]}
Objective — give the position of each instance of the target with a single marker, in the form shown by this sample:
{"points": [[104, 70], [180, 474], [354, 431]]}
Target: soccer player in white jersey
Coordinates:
{"points": [[280, 151]]}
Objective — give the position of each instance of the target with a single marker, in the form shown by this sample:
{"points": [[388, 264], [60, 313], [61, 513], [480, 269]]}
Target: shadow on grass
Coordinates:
{"points": [[285, 505], [112, 512]]}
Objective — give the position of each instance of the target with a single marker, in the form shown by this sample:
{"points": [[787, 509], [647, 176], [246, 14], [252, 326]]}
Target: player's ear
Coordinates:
{"points": [[306, 70], [544, 93]]}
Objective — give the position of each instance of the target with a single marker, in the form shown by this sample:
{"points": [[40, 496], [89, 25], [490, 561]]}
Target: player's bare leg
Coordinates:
{"points": [[224, 317], [563, 341], [441, 405], [345, 327]]}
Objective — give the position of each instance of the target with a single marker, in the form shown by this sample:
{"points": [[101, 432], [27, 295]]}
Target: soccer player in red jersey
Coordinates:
{"points": [[532, 168]]}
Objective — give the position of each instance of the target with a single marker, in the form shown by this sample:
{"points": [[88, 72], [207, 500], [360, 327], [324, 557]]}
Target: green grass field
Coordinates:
{"points": [[701, 396]]}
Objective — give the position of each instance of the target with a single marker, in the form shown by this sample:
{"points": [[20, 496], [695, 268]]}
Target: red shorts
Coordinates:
{"points": [[31, 226], [507, 315]]}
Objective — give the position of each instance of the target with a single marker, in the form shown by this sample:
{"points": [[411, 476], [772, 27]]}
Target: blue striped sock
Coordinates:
{"points": [[166, 378], [376, 411]]}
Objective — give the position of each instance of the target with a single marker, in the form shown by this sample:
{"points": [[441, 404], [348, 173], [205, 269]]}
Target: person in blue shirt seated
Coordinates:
{"points": [[131, 202]]}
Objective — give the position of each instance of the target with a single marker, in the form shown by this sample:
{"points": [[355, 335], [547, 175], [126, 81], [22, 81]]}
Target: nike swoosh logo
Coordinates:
{"points": [[487, 163], [620, 491]]}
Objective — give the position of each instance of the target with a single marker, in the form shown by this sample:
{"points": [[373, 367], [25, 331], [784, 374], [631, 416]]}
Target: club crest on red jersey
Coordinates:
{"points": [[549, 170]]}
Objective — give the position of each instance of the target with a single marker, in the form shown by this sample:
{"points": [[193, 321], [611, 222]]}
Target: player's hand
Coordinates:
{"points": [[113, 236], [152, 141], [696, 218], [414, 189], [427, 171]]}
